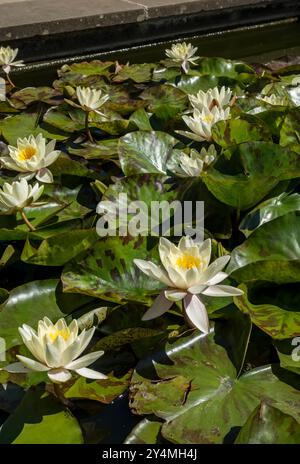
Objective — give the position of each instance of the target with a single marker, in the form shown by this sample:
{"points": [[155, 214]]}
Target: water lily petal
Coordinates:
{"points": [[159, 307], [219, 277], [51, 156], [32, 364], [152, 270], [44, 175], [196, 312], [60, 375], [9, 163], [16, 368], [196, 289], [214, 268], [90, 374], [222, 290], [85, 360], [174, 295]]}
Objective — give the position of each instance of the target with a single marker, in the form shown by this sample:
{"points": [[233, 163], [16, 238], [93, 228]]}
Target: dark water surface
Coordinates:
{"points": [[255, 43]]}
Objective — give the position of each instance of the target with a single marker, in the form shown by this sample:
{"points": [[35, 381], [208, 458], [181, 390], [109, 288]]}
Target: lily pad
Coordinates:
{"points": [[192, 385], [270, 254], [165, 101], [269, 425], [268, 211], [25, 124], [277, 322], [259, 167], [108, 271], [40, 419], [27, 304], [145, 152]]}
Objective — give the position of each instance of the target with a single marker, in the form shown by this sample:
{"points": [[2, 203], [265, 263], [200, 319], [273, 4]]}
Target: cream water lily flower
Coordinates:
{"points": [[31, 157], [213, 97], [183, 54], [193, 165], [90, 99], [187, 273], [19, 194], [201, 123], [57, 349], [7, 57]]}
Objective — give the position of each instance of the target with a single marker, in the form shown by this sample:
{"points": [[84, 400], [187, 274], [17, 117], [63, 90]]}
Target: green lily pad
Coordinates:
{"points": [[62, 121], [192, 385], [27, 304], [91, 68], [268, 211], [236, 131], [277, 322], [145, 152], [270, 254], [165, 101], [148, 188], [222, 67], [104, 149], [290, 130], [25, 124], [141, 119], [288, 353], [104, 391], [145, 433], [269, 425], [40, 419], [259, 167], [35, 94], [108, 271], [136, 72], [60, 248]]}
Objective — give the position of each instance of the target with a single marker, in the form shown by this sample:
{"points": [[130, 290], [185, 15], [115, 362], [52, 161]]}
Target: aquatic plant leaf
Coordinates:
{"points": [[269, 425], [192, 385]]}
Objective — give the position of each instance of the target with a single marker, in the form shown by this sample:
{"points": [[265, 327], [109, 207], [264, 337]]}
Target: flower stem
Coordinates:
{"points": [[27, 222], [9, 80], [87, 113], [58, 392]]}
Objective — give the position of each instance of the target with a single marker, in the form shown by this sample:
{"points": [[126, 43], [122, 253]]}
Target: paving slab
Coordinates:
{"points": [[28, 18]]}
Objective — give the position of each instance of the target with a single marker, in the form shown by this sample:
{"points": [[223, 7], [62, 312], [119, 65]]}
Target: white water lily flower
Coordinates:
{"points": [[187, 273], [90, 99], [201, 123], [193, 165], [213, 97], [183, 54], [57, 349], [31, 157], [19, 194], [274, 100], [7, 56]]}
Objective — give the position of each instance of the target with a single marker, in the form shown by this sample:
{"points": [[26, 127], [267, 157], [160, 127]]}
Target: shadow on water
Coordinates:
{"points": [[251, 43], [112, 425]]}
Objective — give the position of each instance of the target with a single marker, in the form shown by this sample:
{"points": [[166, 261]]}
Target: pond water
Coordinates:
{"points": [[256, 43]]}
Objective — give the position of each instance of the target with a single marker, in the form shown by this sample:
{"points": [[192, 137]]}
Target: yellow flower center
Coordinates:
{"points": [[27, 153], [188, 261], [208, 118], [65, 334]]}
